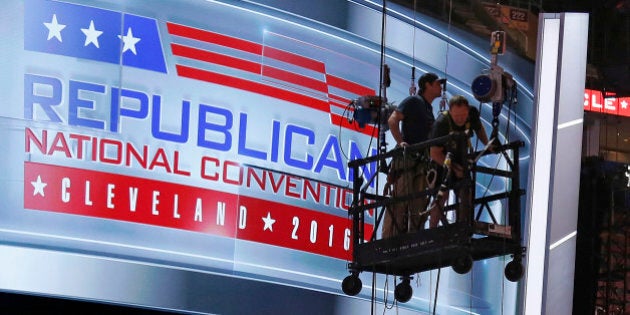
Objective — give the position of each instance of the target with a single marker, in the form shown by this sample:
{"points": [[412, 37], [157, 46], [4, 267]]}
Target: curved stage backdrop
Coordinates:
{"points": [[192, 155]]}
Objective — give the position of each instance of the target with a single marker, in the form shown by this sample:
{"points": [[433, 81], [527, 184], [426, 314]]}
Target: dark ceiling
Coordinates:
{"points": [[609, 41], [609, 34]]}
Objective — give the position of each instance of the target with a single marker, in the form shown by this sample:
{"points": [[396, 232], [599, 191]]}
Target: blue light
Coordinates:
{"points": [[482, 88]]}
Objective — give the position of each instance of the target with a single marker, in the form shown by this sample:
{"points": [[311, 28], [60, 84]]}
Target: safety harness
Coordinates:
{"points": [[466, 127]]}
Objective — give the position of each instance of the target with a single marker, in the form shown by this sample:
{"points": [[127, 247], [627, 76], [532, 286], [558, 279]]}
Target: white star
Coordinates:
{"points": [[54, 28], [38, 186], [624, 104], [268, 222], [129, 41], [91, 35]]}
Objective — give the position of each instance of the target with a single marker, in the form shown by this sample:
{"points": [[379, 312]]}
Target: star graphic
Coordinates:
{"points": [[54, 28], [624, 104], [91, 35], [38, 186], [129, 41], [268, 222]]}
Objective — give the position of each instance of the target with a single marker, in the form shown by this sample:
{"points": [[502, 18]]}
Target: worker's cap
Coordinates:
{"points": [[429, 77]]}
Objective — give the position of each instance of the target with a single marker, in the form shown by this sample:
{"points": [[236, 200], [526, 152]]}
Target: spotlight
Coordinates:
{"points": [[483, 88], [371, 109]]}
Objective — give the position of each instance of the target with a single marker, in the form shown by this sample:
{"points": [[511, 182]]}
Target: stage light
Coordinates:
{"points": [[371, 109]]}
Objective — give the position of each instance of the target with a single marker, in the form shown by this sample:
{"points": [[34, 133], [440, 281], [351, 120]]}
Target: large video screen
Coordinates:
{"points": [[192, 155]]}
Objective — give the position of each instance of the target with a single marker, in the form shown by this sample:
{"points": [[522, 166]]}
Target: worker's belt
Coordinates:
{"points": [[416, 162]]}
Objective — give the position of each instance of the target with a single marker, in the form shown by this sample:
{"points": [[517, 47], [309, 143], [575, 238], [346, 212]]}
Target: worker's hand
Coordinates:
{"points": [[403, 144]]}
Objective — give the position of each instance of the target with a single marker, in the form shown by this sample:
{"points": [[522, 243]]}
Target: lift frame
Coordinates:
{"points": [[455, 244]]}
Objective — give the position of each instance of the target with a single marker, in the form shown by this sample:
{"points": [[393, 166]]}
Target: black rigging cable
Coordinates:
{"points": [[380, 142], [437, 286]]}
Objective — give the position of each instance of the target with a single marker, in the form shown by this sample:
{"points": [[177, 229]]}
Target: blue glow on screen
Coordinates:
{"points": [[251, 88]]}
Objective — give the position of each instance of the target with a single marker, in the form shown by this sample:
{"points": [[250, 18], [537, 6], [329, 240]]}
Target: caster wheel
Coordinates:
{"points": [[462, 264], [351, 285], [514, 270], [403, 291]]}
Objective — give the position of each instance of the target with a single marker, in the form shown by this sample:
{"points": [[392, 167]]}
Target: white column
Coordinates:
{"points": [[556, 157]]}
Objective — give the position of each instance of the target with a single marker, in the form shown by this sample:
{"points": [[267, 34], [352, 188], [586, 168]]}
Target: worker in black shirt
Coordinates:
{"points": [[410, 123]]}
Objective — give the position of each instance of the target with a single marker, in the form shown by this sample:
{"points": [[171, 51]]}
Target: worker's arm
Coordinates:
{"points": [[481, 134], [394, 127]]}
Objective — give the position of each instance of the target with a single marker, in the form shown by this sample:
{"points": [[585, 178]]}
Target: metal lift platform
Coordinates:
{"points": [[456, 244]]}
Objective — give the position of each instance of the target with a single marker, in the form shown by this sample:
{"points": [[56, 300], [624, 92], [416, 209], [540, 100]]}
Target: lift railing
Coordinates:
{"points": [[454, 243]]}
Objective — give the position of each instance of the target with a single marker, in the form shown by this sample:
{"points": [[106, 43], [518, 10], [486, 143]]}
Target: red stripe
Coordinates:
{"points": [[294, 59], [240, 44], [338, 101], [338, 105], [214, 38], [339, 98], [252, 86], [211, 57], [251, 47], [295, 79], [349, 86], [246, 65]]}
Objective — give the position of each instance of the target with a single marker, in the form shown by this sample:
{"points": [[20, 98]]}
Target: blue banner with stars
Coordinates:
{"points": [[91, 33]]}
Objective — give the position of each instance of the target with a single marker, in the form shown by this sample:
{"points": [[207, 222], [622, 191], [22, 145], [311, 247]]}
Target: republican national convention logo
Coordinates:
{"points": [[130, 40]]}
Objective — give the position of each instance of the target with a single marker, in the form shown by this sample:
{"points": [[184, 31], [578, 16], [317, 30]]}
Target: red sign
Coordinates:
{"points": [[594, 101], [119, 197]]}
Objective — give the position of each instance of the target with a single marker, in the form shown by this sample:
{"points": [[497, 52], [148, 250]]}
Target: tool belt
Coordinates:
{"points": [[414, 163]]}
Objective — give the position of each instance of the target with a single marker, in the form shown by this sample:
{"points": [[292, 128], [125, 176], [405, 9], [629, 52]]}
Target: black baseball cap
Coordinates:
{"points": [[429, 77]]}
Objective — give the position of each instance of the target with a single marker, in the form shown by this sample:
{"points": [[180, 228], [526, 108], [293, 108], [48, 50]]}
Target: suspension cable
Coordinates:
{"points": [[437, 287], [380, 143], [412, 87], [443, 101], [448, 34]]}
